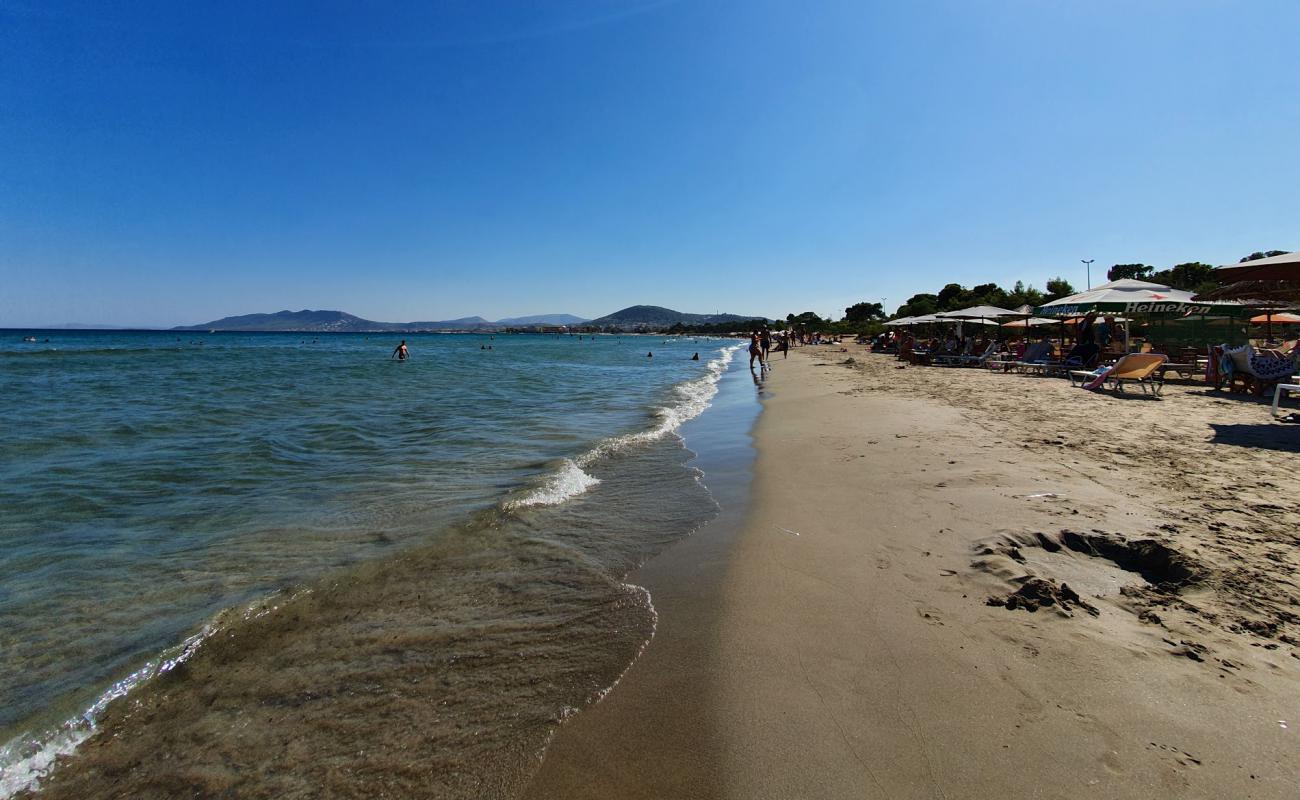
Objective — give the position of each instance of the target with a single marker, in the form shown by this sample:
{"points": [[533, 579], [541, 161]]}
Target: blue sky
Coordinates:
{"points": [[165, 163]]}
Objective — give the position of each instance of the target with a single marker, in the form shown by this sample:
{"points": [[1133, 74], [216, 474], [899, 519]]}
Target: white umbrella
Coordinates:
{"points": [[1127, 295], [977, 312], [1031, 322]]}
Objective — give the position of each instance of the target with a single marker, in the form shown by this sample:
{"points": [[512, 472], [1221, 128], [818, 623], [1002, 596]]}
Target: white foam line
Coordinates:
{"points": [[26, 760], [695, 396], [568, 481]]}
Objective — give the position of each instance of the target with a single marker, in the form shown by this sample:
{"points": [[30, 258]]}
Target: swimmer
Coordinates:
{"points": [[400, 352], [649, 355], [695, 357]]}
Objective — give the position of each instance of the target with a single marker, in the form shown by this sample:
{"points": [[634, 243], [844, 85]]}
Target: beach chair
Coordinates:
{"points": [[1036, 355], [1245, 369], [980, 359], [1140, 368]]}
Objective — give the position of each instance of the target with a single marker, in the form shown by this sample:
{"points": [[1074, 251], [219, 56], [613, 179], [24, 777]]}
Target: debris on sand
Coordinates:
{"points": [[1036, 593]]}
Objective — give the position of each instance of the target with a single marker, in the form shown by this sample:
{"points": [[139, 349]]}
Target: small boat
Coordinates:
{"points": [[29, 338]]}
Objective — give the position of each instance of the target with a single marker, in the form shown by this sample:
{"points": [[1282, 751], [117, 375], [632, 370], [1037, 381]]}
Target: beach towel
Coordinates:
{"points": [[1101, 374]]}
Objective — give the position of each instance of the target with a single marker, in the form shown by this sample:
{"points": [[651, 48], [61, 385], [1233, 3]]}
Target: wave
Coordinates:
{"points": [[570, 480], [694, 397], [27, 760]]}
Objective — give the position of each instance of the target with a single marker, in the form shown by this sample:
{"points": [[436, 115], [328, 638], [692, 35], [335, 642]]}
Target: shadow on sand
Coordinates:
{"points": [[1266, 435]]}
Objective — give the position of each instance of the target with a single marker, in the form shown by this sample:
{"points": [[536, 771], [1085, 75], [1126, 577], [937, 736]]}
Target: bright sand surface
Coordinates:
{"points": [[835, 638]]}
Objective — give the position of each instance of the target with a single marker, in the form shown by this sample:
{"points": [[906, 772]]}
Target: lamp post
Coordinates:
{"points": [[1088, 262]]}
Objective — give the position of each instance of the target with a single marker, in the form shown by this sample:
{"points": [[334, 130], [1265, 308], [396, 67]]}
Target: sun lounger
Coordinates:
{"points": [[1140, 368], [1277, 393], [978, 360], [1037, 355]]}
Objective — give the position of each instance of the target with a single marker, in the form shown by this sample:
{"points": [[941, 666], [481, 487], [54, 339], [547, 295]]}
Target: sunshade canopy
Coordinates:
{"points": [[977, 312], [1280, 318], [1031, 322], [1131, 297], [1285, 267]]}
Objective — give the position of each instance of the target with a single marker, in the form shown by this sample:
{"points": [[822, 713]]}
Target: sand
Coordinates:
{"points": [[957, 584]]}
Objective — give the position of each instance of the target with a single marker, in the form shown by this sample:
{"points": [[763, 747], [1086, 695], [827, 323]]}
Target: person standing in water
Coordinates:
{"points": [[400, 352], [755, 350]]}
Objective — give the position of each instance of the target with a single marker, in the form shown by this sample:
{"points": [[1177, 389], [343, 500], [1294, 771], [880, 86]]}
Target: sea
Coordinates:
{"points": [[290, 565]]}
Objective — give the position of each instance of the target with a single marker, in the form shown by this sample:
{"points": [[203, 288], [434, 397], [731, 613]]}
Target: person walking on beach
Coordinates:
{"points": [[400, 352], [765, 341], [755, 350]]}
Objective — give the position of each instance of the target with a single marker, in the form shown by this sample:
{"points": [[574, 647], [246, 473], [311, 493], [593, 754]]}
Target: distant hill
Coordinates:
{"points": [[634, 317], [307, 321], [543, 319]]}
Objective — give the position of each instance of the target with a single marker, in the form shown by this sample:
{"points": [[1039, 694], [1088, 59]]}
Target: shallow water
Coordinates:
{"points": [[431, 551]]}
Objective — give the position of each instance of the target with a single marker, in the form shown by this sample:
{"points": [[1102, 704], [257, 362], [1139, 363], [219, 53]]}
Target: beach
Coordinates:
{"points": [[949, 583]]}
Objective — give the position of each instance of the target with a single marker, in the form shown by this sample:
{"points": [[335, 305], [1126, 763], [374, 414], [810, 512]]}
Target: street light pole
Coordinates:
{"points": [[1088, 261]]}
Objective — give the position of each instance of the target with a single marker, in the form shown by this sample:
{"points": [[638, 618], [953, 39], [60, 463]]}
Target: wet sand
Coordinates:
{"points": [[951, 583]]}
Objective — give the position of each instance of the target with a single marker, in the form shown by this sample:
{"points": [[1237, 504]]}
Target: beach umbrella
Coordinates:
{"points": [[1268, 318], [1032, 322], [1125, 295], [982, 315], [1132, 297], [1285, 267], [977, 312], [900, 321], [1282, 316], [1264, 280]]}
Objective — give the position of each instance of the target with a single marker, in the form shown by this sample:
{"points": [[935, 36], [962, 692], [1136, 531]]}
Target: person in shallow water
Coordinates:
{"points": [[755, 351], [695, 357], [400, 352]]}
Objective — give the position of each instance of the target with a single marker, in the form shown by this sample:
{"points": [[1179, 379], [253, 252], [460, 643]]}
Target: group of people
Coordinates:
{"points": [[762, 342]]}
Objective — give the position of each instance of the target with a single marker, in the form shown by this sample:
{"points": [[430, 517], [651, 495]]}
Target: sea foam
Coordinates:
{"points": [[568, 481], [693, 396]]}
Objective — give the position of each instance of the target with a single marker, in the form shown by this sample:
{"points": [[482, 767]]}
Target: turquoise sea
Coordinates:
{"points": [[309, 568]]}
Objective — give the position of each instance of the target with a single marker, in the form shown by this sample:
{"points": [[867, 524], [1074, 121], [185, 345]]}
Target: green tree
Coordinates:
{"points": [[864, 312], [1257, 255], [1190, 277], [1057, 288], [1022, 295], [988, 294], [1140, 272], [918, 305], [952, 297], [808, 319]]}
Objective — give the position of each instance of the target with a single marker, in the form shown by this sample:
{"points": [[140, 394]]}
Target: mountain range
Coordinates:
{"points": [[308, 321]]}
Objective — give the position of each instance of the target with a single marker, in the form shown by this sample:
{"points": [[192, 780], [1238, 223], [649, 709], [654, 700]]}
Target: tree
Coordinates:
{"points": [[951, 297], [1190, 277], [1057, 288], [808, 319], [918, 305], [987, 294], [1023, 295], [1255, 256], [864, 312], [1140, 272]]}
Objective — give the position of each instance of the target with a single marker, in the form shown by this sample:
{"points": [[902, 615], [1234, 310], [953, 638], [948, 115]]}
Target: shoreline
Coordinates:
{"points": [[861, 658], [482, 638]]}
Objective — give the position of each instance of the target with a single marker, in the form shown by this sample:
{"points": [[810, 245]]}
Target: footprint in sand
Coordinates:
{"points": [[1181, 756], [930, 615]]}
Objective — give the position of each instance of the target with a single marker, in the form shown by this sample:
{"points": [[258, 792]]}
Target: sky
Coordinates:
{"points": [[168, 163]]}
